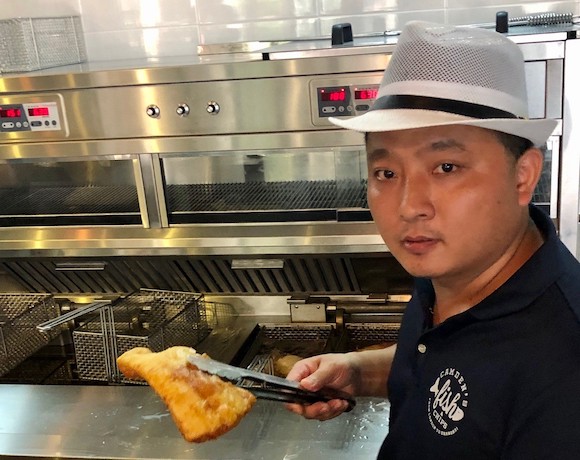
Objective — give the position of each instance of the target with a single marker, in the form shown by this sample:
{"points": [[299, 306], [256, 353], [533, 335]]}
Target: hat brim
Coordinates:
{"points": [[537, 131]]}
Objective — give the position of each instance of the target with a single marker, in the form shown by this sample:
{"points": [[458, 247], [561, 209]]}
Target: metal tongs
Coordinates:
{"points": [[273, 388]]}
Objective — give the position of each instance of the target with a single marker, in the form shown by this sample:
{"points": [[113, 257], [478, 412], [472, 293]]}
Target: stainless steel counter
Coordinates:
{"points": [[118, 422]]}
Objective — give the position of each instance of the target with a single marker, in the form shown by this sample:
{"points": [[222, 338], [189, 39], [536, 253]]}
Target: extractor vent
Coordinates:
{"points": [[290, 275]]}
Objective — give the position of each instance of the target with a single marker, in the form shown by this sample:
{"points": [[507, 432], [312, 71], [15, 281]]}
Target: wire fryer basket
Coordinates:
{"points": [[19, 316], [154, 319]]}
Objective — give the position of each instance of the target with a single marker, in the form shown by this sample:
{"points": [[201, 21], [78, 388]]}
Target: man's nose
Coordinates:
{"points": [[415, 199]]}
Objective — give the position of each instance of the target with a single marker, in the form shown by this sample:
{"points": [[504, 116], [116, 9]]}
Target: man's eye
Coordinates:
{"points": [[384, 174], [446, 167]]}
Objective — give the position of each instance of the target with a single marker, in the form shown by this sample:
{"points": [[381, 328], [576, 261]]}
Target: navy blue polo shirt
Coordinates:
{"points": [[500, 380]]}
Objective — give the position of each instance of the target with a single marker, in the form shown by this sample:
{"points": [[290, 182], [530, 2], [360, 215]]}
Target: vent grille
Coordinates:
{"points": [[314, 275]]}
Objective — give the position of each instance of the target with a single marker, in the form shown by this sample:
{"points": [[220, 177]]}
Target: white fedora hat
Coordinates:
{"points": [[445, 75]]}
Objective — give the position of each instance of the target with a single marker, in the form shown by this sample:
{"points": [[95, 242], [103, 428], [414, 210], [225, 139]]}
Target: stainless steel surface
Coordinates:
{"points": [[384, 43], [569, 206], [233, 239], [180, 144], [153, 191], [266, 117], [115, 422], [128, 103], [107, 74], [119, 124], [119, 112], [553, 155]]}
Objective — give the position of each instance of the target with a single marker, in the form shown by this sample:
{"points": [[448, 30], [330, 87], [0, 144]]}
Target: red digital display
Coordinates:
{"points": [[38, 111], [337, 95], [365, 94], [10, 113]]}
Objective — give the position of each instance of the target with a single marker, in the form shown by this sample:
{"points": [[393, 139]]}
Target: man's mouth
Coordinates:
{"points": [[419, 244]]}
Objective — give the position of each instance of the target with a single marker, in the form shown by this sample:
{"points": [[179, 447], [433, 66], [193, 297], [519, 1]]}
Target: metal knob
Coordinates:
{"points": [[182, 110], [153, 111], [213, 108]]}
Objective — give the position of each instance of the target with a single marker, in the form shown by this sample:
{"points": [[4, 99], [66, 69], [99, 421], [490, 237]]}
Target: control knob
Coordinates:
{"points": [[212, 108], [153, 111], [182, 110]]}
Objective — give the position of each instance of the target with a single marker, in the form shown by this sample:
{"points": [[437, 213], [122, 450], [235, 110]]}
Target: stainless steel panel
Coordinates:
{"points": [[536, 86], [555, 88], [182, 70], [536, 49], [152, 203], [570, 160], [70, 421], [554, 147], [265, 109], [168, 146], [534, 46]]}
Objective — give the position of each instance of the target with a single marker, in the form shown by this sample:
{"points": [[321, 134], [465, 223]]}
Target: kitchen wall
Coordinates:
{"points": [[127, 29]]}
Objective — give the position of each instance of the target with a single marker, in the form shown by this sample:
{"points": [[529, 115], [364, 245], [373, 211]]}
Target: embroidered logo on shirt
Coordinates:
{"points": [[447, 402]]}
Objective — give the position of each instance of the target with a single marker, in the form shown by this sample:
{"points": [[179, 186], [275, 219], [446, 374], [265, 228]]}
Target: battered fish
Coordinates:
{"points": [[202, 405]]}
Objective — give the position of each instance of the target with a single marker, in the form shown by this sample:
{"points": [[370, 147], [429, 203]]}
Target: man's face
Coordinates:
{"points": [[446, 200]]}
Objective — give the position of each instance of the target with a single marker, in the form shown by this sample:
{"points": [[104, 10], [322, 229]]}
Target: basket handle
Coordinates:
{"points": [[105, 310], [50, 324]]}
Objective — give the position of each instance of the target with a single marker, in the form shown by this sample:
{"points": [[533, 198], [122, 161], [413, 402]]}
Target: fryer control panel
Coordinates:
{"points": [[342, 97], [30, 115]]}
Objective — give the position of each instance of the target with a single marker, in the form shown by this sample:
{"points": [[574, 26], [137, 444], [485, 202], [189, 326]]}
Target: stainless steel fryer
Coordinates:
{"points": [[225, 178]]}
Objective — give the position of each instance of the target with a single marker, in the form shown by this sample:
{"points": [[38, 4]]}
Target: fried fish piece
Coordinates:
{"points": [[202, 405]]}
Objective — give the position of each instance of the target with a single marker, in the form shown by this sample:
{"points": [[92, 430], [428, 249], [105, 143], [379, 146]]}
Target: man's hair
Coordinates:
{"points": [[514, 145]]}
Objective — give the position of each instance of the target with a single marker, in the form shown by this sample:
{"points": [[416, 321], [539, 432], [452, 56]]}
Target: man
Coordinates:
{"points": [[487, 364]]}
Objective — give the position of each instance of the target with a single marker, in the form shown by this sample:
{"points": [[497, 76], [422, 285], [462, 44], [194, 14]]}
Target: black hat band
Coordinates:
{"points": [[467, 109]]}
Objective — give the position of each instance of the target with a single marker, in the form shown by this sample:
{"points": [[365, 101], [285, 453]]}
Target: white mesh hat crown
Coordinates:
{"points": [[445, 75]]}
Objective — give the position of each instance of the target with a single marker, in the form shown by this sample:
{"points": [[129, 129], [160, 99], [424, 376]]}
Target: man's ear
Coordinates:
{"points": [[528, 170]]}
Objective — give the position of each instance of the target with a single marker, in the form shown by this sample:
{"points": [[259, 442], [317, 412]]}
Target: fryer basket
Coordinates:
{"points": [[19, 316], [28, 44], [361, 335], [153, 319], [277, 340]]}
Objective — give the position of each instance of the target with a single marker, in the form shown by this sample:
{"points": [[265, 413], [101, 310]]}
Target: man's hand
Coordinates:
{"points": [[324, 371], [362, 373]]}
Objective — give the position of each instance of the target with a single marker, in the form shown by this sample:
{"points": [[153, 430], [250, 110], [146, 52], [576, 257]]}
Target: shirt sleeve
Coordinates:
{"points": [[550, 427]]}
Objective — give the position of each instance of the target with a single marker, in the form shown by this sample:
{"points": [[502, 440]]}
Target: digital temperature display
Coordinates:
{"points": [[365, 94], [38, 112], [10, 113], [338, 95]]}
